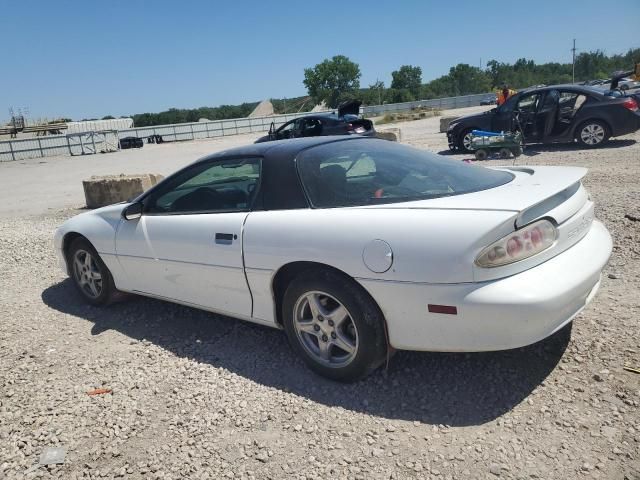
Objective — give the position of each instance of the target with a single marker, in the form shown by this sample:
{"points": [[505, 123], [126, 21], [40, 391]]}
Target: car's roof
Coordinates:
{"points": [[288, 148], [564, 86]]}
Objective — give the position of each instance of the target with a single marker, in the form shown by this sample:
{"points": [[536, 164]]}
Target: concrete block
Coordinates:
{"points": [[444, 123], [392, 134], [109, 189]]}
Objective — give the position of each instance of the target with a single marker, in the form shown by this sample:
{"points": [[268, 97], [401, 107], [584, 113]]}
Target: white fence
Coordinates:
{"points": [[37, 147], [216, 128], [20, 149], [439, 103]]}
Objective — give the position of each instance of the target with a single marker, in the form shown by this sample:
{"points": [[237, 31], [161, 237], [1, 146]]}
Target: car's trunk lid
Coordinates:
{"points": [[554, 193], [534, 192], [350, 107]]}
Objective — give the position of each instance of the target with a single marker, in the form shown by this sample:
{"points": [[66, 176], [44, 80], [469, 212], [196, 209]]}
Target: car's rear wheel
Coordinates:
{"points": [[592, 133], [90, 275], [481, 154], [334, 325], [464, 140], [505, 153]]}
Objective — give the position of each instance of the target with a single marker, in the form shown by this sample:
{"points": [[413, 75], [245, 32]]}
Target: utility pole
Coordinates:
{"points": [[573, 68], [379, 89]]}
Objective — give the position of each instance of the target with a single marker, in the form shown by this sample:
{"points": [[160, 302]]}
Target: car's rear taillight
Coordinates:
{"points": [[351, 128], [521, 244], [630, 104]]}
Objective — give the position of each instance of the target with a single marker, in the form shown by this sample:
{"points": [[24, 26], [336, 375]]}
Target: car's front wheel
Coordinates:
{"points": [[334, 325], [464, 140], [592, 133], [90, 275]]}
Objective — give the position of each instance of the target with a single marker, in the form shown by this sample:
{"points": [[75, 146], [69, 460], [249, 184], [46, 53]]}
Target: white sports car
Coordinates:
{"points": [[355, 247]]}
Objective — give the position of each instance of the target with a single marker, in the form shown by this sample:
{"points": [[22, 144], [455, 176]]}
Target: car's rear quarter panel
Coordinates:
{"points": [[432, 246]]}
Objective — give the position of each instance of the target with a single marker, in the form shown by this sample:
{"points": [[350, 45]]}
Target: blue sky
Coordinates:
{"points": [[89, 59]]}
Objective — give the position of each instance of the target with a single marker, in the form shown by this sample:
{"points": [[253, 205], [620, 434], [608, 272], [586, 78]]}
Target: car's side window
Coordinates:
{"points": [[220, 186], [286, 130], [570, 103], [311, 127], [529, 103]]}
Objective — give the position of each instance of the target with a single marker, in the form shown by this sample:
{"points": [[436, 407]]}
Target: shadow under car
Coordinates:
{"points": [[456, 389]]}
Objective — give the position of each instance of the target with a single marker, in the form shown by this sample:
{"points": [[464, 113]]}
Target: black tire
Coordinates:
{"points": [[505, 153], [107, 288], [586, 140], [371, 344], [460, 140], [481, 154]]}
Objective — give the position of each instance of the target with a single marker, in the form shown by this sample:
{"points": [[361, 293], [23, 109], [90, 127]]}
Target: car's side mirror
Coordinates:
{"points": [[133, 211]]}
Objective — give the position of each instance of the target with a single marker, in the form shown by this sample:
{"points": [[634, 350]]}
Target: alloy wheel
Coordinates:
{"points": [[87, 274], [325, 329], [466, 140], [592, 134]]}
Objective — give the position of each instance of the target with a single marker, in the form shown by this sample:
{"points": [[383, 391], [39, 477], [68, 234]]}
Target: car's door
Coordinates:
{"points": [[187, 245], [502, 116], [288, 130], [526, 116], [310, 127], [569, 107], [519, 112]]}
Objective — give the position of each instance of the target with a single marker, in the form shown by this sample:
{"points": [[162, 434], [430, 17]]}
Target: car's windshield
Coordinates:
{"points": [[369, 172]]}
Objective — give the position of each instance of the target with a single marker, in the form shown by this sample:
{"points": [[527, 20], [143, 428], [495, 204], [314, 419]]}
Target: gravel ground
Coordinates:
{"points": [[195, 395]]}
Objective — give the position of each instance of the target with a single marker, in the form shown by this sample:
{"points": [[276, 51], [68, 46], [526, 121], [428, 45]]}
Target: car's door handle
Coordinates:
{"points": [[225, 238]]}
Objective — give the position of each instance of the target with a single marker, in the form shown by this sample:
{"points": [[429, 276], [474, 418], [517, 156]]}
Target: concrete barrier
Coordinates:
{"points": [[392, 134], [444, 123], [109, 189]]}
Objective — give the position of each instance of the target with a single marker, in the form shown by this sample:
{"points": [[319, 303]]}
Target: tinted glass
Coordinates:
{"points": [[228, 185], [369, 172]]}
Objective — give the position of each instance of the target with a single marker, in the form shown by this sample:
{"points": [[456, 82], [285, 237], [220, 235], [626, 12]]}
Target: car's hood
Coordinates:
{"points": [[533, 191], [471, 117]]}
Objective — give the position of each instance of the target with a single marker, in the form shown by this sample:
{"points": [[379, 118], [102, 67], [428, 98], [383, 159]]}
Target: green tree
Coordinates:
{"points": [[466, 80], [408, 78], [375, 94], [332, 80]]}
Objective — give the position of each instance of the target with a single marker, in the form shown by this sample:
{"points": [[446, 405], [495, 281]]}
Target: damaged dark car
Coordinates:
{"points": [[553, 114], [346, 121]]}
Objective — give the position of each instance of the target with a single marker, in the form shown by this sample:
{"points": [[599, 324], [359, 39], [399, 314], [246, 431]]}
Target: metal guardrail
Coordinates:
{"points": [[216, 128], [38, 147], [21, 149], [439, 103]]}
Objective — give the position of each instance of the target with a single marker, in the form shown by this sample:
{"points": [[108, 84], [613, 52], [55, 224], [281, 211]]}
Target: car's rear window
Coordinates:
{"points": [[369, 172]]}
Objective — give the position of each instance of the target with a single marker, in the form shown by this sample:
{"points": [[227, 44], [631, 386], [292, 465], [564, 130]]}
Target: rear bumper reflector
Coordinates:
{"points": [[446, 309]]}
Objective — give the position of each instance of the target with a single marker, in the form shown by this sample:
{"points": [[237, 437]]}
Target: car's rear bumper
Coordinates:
{"points": [[496, 315], [630, 125]]}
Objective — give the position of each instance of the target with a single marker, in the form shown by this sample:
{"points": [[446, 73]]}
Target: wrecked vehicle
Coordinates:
{"points": [[553, 114], [355, 246], [346, 121]]}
